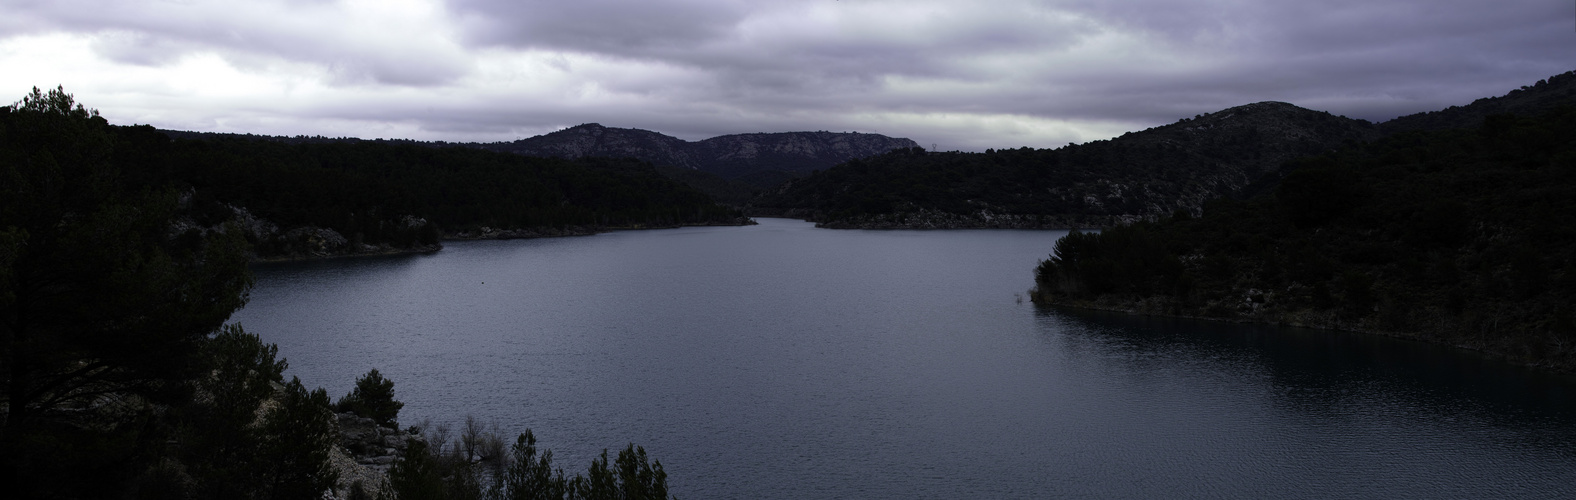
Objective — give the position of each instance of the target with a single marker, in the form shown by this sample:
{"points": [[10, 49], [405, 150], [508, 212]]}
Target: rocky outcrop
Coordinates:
{"points": [[366, 451], [271, 244], [371, 444]]}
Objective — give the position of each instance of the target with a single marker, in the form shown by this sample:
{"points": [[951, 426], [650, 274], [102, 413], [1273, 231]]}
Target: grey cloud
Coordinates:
{"points": [[160, 33], [742, 66], [1355, 56], [1369, 59], [714, 36], [139, 48], [600, 26]]}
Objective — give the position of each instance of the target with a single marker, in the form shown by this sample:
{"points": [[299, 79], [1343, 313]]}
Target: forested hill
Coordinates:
{"points": [[763, 160], [1462, 237], [1237, 152], [731, 169], [1234, 152], [1532, 99], [331, 197]]}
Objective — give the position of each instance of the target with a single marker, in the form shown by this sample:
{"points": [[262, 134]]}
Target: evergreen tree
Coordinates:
{"points": [[299, 434], [102, 312], [373, 397], [220, 431], [530, 477], [416, 475]]}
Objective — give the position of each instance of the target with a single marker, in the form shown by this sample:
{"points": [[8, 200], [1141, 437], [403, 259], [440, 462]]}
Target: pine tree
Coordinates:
{"points": [[373, 397]]}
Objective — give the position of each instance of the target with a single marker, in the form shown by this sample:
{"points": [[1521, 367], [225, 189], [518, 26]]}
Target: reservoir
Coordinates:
{"points": [[788, 362]]}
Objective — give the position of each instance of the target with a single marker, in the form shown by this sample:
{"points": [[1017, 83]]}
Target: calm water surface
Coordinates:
{"points": [[784, 361]]}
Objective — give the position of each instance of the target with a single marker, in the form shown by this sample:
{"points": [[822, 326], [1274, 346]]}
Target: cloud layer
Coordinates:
{"points": [[961, 75]]}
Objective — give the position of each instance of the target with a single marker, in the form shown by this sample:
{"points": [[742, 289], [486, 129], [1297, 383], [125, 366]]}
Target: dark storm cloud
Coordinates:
{"points": [[1363, 58], [1370, 59]]}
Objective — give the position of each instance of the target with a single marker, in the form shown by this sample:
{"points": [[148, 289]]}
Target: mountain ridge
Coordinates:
{"points": [[1237, 152], [740, 163], [731, 156]]}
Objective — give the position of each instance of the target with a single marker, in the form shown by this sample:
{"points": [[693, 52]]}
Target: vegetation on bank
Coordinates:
{"points": [[1465, 237], [394, 194], [118, 376]]}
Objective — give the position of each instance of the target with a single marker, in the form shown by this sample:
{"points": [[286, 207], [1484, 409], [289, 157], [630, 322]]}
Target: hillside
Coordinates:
{"points": [[1461, 237], [1532, 99], [732, 169], [1237, 152], [1233, 152], [321, 197], [733, 157]]}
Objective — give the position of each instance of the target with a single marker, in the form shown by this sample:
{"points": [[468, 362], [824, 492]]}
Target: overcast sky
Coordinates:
{"points": [[964, 75]]}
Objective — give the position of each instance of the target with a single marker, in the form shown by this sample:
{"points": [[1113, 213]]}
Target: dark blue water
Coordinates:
{"points": [[784, 361]]}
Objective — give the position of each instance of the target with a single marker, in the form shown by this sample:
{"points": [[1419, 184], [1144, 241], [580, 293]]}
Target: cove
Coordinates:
{"points": [[785, 361]]}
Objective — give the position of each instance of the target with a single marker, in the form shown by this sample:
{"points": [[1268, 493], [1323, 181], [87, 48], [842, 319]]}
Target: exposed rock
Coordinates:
{"points": [[350, 473], [366, 451], [370, 443], [315, 240]]}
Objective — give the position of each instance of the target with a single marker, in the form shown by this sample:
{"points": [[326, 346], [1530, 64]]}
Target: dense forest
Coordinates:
{"points": [[1144, 174], [1238, 152], [336, 196], [1465, 237], [118, 376]]}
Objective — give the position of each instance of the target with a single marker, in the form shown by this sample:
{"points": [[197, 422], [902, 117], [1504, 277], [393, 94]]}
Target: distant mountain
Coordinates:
{"points": [[760, 159], [1233, 152], [731, 169], [302, 197]]}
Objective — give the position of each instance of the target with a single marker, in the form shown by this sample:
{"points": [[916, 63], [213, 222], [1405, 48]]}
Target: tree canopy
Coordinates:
{"points": [[1466, 237], [101, 312]]}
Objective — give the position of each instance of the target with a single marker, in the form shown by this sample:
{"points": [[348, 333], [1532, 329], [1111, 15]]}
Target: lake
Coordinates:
{"points": [[785, 361]]}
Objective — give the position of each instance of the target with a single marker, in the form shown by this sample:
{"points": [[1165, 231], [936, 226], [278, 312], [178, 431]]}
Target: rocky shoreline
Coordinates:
{"points": [[366, 251], [935, 219], [366, 451]]}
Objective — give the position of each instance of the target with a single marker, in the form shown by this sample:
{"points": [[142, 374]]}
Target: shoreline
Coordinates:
{"points": [[925, 219], [501, 234], [1328, 323]]}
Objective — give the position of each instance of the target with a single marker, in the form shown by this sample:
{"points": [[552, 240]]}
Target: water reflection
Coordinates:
{"points": [[784, 361], [1310, 413], [1317, 363]]}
